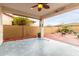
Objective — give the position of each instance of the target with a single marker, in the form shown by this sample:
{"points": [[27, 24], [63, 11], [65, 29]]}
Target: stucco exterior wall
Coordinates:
{"points": [[6, 20]]}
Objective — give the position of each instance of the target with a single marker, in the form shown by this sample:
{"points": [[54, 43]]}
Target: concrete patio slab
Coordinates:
{"points": [[38, 47]]}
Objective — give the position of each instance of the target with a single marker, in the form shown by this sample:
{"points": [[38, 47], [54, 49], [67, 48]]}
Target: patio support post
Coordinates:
{"points": [[0, 16], [1, 27], [41, 28]]}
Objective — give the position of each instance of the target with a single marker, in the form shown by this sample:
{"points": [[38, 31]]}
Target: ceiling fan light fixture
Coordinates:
{"points": [[40, 6]]}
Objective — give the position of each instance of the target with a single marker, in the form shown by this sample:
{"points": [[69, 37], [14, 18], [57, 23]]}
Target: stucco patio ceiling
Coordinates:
{"points": [[24, 9]]}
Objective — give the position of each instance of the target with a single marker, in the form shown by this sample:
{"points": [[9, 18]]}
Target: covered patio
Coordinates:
{"points": [[24, 9], [45, 43]]}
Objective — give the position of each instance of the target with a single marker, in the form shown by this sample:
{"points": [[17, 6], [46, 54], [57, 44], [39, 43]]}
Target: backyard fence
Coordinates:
{"points": [[15, 32]]}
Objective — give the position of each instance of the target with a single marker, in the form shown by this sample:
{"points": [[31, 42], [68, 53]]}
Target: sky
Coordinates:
{"points": [[65, 18]]}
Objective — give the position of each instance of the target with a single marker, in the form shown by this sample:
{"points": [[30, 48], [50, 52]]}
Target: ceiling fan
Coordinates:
{"points": [[40, 6]]}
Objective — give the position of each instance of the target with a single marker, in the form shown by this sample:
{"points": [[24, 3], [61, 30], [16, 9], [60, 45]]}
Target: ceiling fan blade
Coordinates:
{"points": [[34, 6], [46, 6]]}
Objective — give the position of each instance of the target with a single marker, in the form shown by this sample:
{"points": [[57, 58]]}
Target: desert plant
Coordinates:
{"points": [[65, 29]]}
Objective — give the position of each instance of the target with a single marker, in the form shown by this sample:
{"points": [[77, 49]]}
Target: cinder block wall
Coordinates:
{"points": [[30, 32], [50, 30], [75, 28], [15, 32], [12, 32]]}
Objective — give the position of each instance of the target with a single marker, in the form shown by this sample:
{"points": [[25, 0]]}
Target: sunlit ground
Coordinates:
{"points": [[68, 38]]}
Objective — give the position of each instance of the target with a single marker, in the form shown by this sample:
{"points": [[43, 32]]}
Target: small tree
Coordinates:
{"points": [[21, 21]]}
